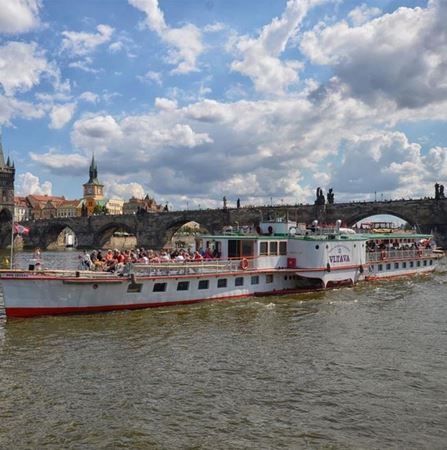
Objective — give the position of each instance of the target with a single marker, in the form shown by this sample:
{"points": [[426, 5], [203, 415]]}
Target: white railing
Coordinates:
{"points": [[192, 267], [391, 254]]}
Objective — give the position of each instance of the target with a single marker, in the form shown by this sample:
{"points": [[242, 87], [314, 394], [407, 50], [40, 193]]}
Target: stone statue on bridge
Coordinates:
{"points": [[439, 191], [224, 202], [320, 200], [238, 203], [330, 196]]}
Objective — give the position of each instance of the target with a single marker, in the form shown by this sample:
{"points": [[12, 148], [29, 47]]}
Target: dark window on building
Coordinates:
{"points": [[263, 249], [255, 279], [273, 248], [269, 278], [204, 284], [222, 282], [283, 248], [182, 285], [159, 287], [239, 281]]}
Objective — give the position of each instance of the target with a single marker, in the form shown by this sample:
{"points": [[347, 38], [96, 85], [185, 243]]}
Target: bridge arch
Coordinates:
{"points": [[104, 234], [54, 236], [173, 227], [360, 215]]}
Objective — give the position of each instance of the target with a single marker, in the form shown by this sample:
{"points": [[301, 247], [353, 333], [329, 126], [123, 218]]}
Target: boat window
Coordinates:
{"points": [[425, 262], [239, 281], [241, 247], [404, 265], [204, 284], [273, 248], [269, 278], [135, 287], [283, 248], [418, 263], [182, 285], [388, 267], [380, 267], [411, 263], [255, 279], [222, 282], [396, 265], [263, 250], [431, 262], [159, 287]]}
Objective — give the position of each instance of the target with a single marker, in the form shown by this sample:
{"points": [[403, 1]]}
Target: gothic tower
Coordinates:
{"points": [[7, 175], [93, 189]]}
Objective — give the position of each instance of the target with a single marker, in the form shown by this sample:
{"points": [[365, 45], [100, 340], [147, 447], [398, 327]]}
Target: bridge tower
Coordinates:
{"points": [[93, 190], [7, 175]]}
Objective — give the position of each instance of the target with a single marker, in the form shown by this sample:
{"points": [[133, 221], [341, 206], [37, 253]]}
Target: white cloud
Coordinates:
{"points": [[363, 13], [151, 76], [82, 43], [165, 103], [22, 65], [88, 96], [62, 163], [84, 65], [116, 47], [11, 107], [29, 184], [185, 43], [19, 16], [259, 58], [214, 27], [399, 57], [123, 191], [60, 115]]}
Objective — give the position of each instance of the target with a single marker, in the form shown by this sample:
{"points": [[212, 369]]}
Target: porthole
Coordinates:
{"points": [[317, 247]]}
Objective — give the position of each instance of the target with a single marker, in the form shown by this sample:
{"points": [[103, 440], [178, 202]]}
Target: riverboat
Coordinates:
{"points": [[278, 257]]}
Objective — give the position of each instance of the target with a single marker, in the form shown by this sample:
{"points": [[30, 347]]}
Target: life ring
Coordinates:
{"points": [[244, 264], [383, 254]]}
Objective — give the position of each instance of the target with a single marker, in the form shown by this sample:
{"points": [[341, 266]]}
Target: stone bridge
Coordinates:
{"points": [[156, 230]]}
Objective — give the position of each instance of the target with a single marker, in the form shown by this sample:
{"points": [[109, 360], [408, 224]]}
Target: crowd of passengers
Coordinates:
{"points": [[116, 260], [379, 246]]}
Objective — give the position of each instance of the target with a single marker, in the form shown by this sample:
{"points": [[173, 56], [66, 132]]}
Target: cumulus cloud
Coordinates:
{"points": [[29, 184], [386, 162], [363, 13], [60, 115], [19, 16], [62, 163], [123, 191], [259, 58], [82, 43], [185, 43], [165, 103], [151, 77], [398, 57], [22, 66]]}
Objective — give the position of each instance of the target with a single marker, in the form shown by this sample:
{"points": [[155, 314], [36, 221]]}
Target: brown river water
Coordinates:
{"points": [[353, 368]]}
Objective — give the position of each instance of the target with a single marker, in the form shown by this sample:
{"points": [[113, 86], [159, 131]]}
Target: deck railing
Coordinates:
{"points": [[392, 254], [192, 267]]}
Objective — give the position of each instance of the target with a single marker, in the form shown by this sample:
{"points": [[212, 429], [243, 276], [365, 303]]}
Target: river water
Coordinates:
{"points": [[354, 368]]}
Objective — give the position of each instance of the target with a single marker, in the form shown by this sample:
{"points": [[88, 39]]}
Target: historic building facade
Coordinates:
{"points": [[7, 175]]}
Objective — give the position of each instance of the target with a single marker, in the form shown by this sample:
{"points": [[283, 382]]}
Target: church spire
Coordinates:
{"points": [[2, 158], [93, 172]]}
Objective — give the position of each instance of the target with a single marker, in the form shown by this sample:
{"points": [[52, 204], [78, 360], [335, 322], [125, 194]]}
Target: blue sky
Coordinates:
{"points": [[193, 100]]}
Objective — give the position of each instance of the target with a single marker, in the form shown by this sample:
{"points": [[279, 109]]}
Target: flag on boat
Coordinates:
{"points": [[20, 229]]}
